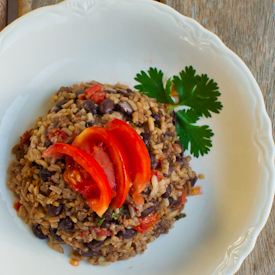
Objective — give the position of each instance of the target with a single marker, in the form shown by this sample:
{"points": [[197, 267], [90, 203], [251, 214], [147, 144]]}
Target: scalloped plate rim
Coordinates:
{"points": [[249, 240]]}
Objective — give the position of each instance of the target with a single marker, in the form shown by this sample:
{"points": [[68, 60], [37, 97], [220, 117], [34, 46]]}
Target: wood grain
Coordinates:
{"points": [[248, 28], [3, 14]]}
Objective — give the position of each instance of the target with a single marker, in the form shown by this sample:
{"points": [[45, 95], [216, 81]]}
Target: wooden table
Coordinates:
{"points": [[248, 28]]}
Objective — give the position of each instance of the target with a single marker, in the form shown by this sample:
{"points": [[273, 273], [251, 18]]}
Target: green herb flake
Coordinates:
{"points": [[99, 221], [180, 216], [116, 216]]}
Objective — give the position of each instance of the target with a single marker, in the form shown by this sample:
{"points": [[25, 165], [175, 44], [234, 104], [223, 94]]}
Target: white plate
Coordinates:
{"points": [[110, 41]]}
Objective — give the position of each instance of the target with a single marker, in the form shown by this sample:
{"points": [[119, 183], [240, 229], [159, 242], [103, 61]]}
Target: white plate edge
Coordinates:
{"points": [[264, 143]]}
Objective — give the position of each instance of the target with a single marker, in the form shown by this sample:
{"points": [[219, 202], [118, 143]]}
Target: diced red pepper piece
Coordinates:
{"points": [[58, 134], [138, 156], [17, 205], [96, 94], [86, 141], [98, 97], [103, 232], [100, 201], [158, 174], [93, 89], [84, 233], [182, 198], [147, 222]]}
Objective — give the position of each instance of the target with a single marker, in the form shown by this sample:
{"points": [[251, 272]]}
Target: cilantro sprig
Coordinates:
{"points": [[197, 92]]}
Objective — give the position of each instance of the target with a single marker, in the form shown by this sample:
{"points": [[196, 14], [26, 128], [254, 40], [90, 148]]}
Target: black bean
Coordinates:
{"points": [[95, 244], [77, 93], [108, 216], [44, 174], [106, 106], [146, 138], [62, 102], [89, 253], [129, 90], [62, 159], [56, 110], [181, 146], [109, 91], [125, 108], [44, 189], [181, 161], [154, 163], [54, 235], [121, 91], [37, 232], [89, 106], [147, 211], [147, 192], [125, 212], [193, 181], [127, 234], [88, 124], [167, 192], [175, 116], [55, 210], [106, 224], [156, 117], [66, 224], [170, 134], [170, 170], [173, 202], [48, 143]]}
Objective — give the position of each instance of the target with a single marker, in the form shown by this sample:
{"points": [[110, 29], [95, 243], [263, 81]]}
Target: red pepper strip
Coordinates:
{"points": [[102, 157], [138, 156], [147, 222], [99, 203], [119, 157]]}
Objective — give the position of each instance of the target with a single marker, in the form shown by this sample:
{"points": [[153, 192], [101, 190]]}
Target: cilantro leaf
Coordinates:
{"points": [[152, 85], [197, 92], [198, 136]]}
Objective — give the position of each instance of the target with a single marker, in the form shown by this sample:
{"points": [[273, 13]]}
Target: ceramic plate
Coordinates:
{"points": [[110, 41]]}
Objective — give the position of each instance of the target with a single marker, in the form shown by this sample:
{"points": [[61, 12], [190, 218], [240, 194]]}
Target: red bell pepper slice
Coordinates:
{"points": [[102, 157], [95, 93], [139, 158], [86, 141], [147, 222], [99, 202]]}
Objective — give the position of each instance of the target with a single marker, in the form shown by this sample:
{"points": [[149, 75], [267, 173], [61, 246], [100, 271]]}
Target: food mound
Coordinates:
{"points": [[103, 172]]}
